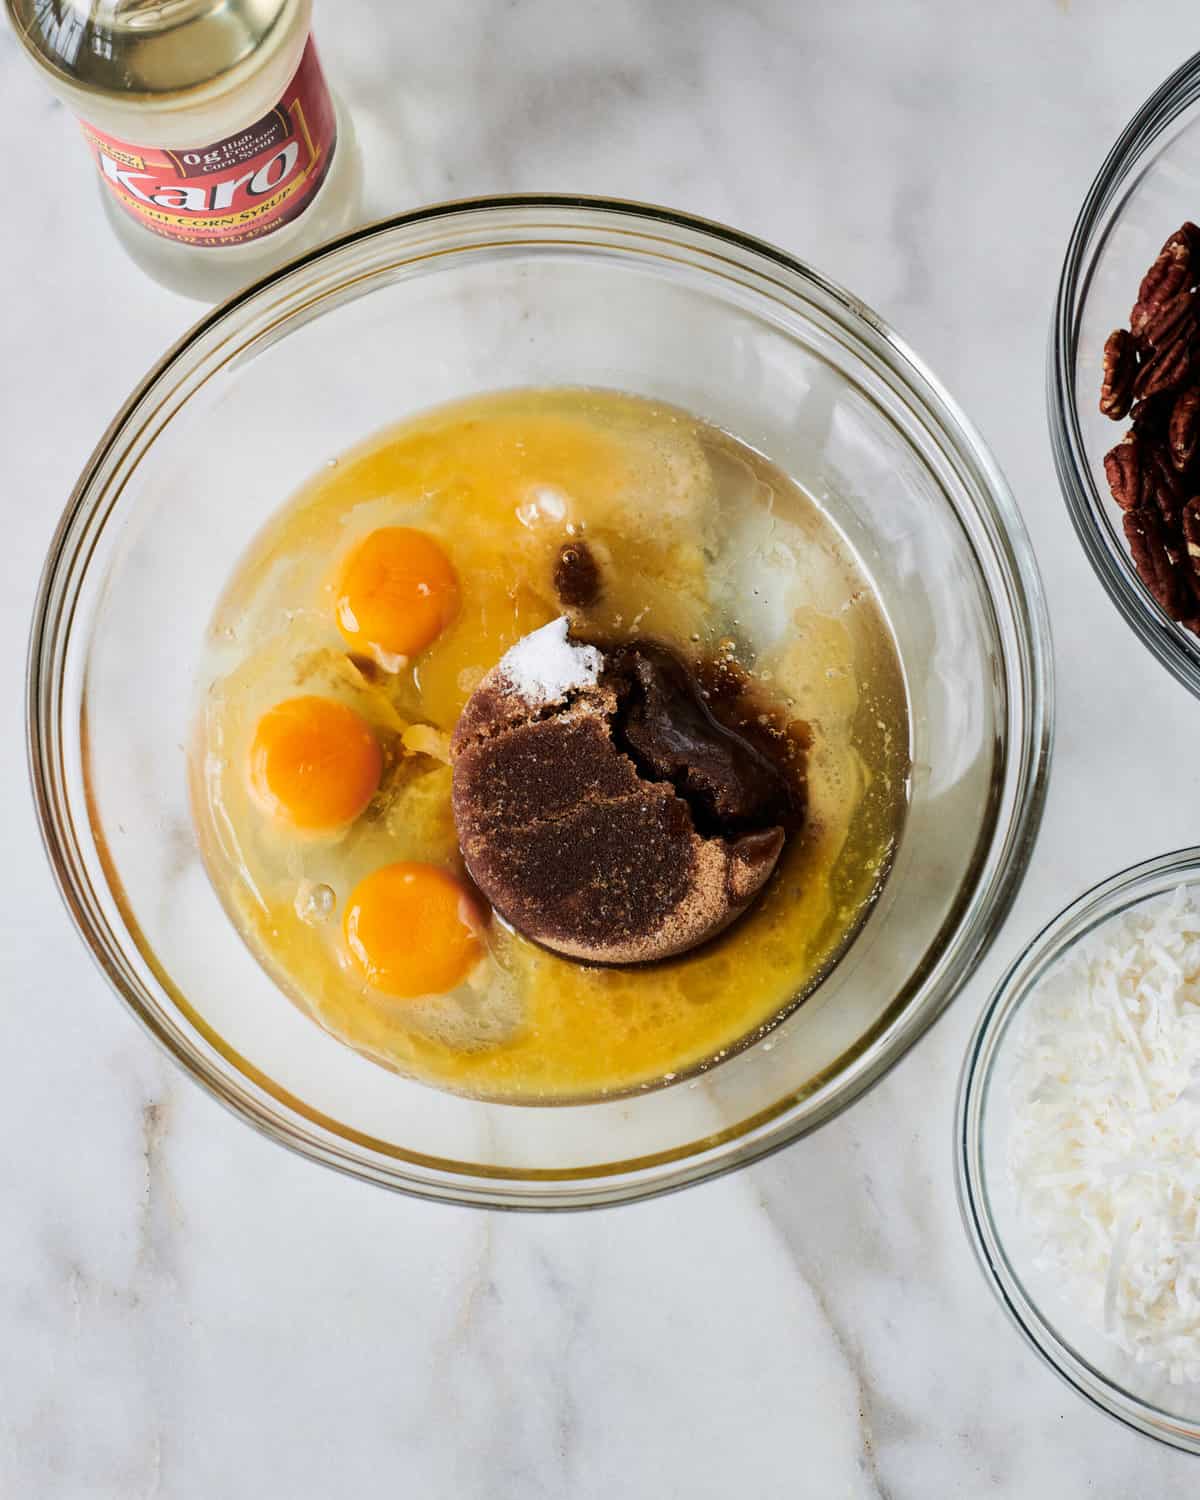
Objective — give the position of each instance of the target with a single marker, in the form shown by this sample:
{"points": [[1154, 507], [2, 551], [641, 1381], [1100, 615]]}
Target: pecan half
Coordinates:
{"points": [[1169, 365], [1171, 273], [1123, 470], [1120, 370], [1183, 430], [1191, 542], [1162, 325], [1158, 563], [1161, 479], [1149, 418]]}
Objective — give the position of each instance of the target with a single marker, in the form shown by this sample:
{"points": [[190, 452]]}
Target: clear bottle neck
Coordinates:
{"points": [[171, 73], [151, 49]]}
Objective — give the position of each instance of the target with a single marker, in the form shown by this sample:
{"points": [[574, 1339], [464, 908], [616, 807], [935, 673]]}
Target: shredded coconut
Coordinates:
{"points": [[544, 666], [1105, 1143]]}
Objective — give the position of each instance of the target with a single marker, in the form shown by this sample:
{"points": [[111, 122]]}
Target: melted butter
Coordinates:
{"points": [[700, 542]]}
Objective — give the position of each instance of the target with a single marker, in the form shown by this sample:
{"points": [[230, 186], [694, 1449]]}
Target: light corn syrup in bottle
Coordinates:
{"points": [[220, 151]]}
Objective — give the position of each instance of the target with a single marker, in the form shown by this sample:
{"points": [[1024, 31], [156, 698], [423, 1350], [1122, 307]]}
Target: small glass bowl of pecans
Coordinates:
{"points": [[1124, 374]]}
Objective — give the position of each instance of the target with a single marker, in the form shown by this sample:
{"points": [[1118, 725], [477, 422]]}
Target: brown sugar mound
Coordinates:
{"points": [[621, 823]]}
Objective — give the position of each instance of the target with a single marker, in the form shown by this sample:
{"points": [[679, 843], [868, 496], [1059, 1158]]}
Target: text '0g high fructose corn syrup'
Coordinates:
{"points": [[219, 148]]}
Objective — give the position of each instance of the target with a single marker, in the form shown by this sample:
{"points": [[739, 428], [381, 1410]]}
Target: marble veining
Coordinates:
{"points": [[188, 1311]]}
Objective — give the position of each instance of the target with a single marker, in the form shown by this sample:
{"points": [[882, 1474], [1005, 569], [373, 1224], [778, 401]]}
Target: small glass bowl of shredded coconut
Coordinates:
{"points": [[1078, 1145]]}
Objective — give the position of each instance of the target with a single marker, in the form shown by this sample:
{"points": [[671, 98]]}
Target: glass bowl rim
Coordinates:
{"points": [[1100, 903], [1087, 505], [995, 881]]}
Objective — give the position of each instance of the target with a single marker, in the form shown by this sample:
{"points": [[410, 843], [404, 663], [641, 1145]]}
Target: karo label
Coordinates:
{"points": [[237, 189]]}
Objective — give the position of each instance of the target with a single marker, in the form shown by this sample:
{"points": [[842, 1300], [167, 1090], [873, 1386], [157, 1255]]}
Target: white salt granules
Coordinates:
{"points": [[544, 666], [1105, 1142]]}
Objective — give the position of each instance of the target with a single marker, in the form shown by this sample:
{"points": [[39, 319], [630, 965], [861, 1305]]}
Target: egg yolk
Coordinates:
{"points": [[314, 763], [395, 592], [412, 929]]}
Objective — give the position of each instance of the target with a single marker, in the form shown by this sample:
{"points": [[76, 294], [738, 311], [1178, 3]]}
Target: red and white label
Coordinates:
{"points": [[237, 189]]}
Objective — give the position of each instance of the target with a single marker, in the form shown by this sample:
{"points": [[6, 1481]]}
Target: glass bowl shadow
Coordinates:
{"points": [[437, 305]]}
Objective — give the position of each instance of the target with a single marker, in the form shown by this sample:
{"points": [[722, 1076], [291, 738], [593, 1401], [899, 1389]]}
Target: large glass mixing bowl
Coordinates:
{"points": [[436, 305]]}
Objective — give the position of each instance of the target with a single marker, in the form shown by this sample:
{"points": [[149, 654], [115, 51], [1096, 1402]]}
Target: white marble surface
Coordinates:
{"points": [[187, 1311]]}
